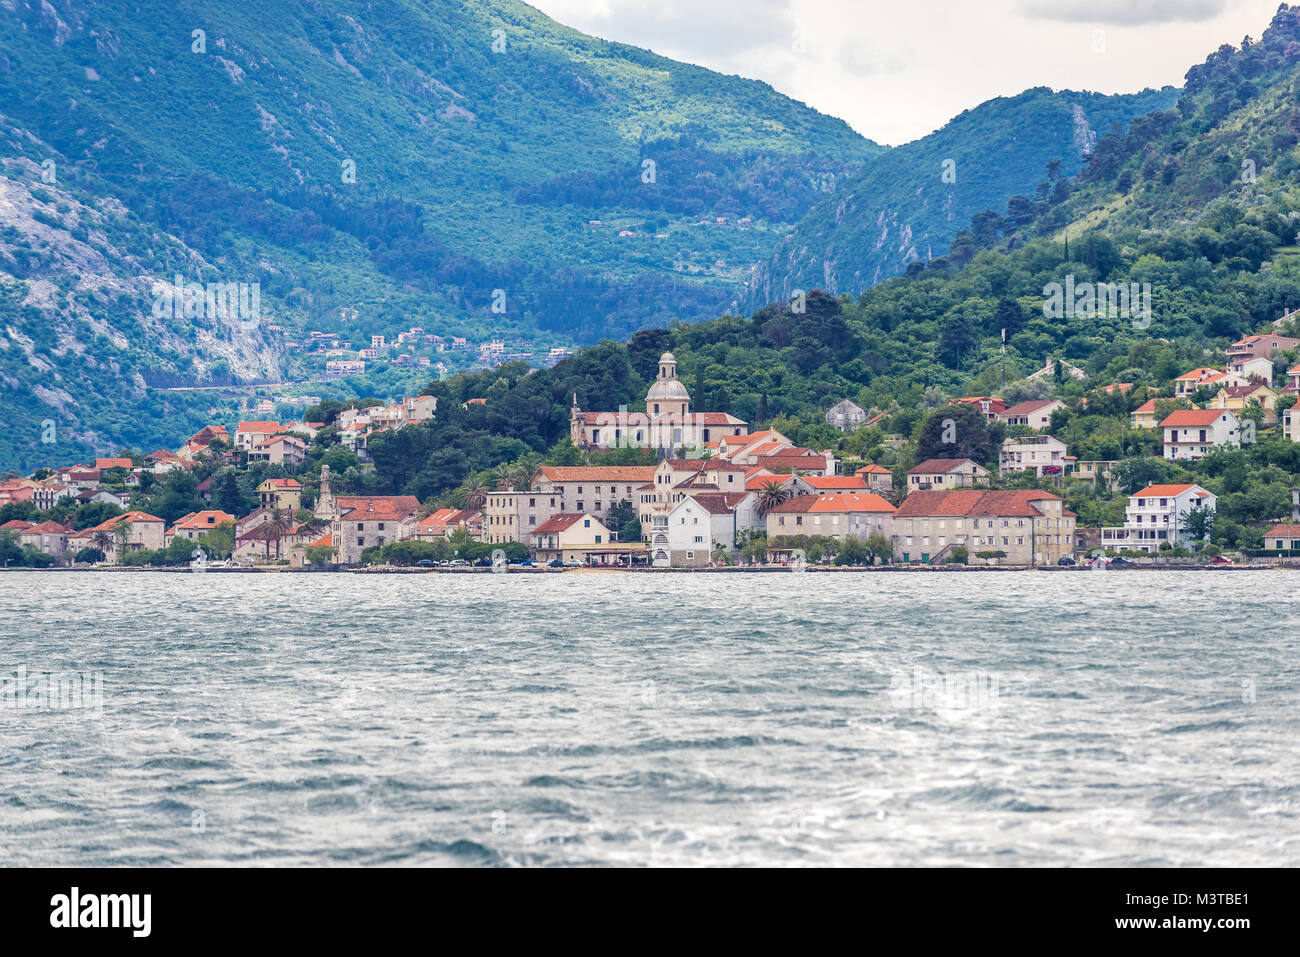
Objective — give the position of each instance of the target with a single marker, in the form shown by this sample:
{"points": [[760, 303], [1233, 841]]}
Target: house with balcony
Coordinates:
{"points": [[1190, 434], [1044, 455], [578, 537], [1157, 515]]}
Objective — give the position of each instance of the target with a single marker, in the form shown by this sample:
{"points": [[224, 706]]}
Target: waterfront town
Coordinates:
{"points": [[705, 490]]}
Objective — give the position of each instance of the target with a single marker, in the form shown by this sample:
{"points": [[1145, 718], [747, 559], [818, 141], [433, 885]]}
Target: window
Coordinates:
{"points": [[381, 526], [586, 523]]}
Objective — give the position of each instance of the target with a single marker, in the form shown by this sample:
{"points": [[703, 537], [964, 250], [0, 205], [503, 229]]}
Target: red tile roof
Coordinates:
{"points": [[870, 502], [1167, 491], [599, 473], [835, 481], [208, 518], [1192, 417], [47, 528], [1286, 531], [119, 463], [393, 508], [558, 523], [939, 466], [720, 503], [974, 502], [283, 483], [1024, 408]]}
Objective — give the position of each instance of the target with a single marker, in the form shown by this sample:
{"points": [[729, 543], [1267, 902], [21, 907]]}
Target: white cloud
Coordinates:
{"points": [[898, 69]]}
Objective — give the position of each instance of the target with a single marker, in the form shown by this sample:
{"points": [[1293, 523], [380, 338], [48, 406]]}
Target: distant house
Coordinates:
{"points": [[1029, 527], [1156, 515], [1044, 455], [946, 474], [830, 485], [1144, 416], [876, 477], [1189, 382], [284, 493], [573, 537], [1035, 414], [1093, 470], [988, 406], [1235, 398], [846, 415], [1281, 537], [250, 434], [1191, 433], [48, 537], [138, 530], [197, 524], [1257, 369], [287, 450], [1254, 347], [837, 516]]}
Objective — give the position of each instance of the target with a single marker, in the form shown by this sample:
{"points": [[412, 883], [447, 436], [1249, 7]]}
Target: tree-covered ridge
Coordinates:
{"points": [[909, 204], [1230, 139]]}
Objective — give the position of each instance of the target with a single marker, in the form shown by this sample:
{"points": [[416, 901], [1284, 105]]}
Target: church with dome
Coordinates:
{"points": [[667, 424]]}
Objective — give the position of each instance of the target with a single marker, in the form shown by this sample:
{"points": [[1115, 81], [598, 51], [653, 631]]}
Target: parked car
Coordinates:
{"points": [[1120, 560], [1220, 560], [1065, 560], [555, 563], [526, 563], [425, 563]]}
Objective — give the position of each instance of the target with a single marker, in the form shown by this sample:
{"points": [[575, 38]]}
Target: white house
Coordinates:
{"points": [[1155, 515], [702, 522], [1041, 454], [1035, 414], [1191, 433]]}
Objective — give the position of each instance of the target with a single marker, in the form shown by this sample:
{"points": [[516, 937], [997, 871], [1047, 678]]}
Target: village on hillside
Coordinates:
{"points": [[713, 493]]}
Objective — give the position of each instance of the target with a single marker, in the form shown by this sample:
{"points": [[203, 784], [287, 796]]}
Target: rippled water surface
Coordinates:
{"points": [[1021, 718]]}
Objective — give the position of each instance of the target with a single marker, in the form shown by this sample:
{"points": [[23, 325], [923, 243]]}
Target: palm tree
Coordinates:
{"points": [[503, 478], [475, 489], [771, 494], [102, 540], [280, 524], [520, 477]]}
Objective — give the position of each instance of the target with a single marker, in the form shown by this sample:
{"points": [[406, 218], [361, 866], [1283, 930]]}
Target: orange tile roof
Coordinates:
{"points": [[134, 517], [834, 481], [558, 523], [1287, 531], [599, 473], [118, 463], [1148, 406], [974, 502], [208, 518], [393, 508], [872, 470], [939, 466], [1193, 417], [1166, 491], [869, 502], [259, 425]]}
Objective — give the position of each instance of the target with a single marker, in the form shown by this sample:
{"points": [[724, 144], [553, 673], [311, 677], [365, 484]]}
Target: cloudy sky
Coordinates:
{"points": [[899, 69]]}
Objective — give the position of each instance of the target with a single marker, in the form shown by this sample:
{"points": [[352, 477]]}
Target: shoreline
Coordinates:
{"points": [[744, 569]]}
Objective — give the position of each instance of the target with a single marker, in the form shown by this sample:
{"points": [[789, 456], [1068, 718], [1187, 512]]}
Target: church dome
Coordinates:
{"points": [[668, 390], [667, 387]]}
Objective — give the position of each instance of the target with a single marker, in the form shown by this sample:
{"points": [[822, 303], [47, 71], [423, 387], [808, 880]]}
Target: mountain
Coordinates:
{"points": [[472, 168], [908, 204]]}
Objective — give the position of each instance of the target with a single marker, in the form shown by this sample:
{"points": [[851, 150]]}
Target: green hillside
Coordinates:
{"points": [[909, 204], [371, 167]]}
